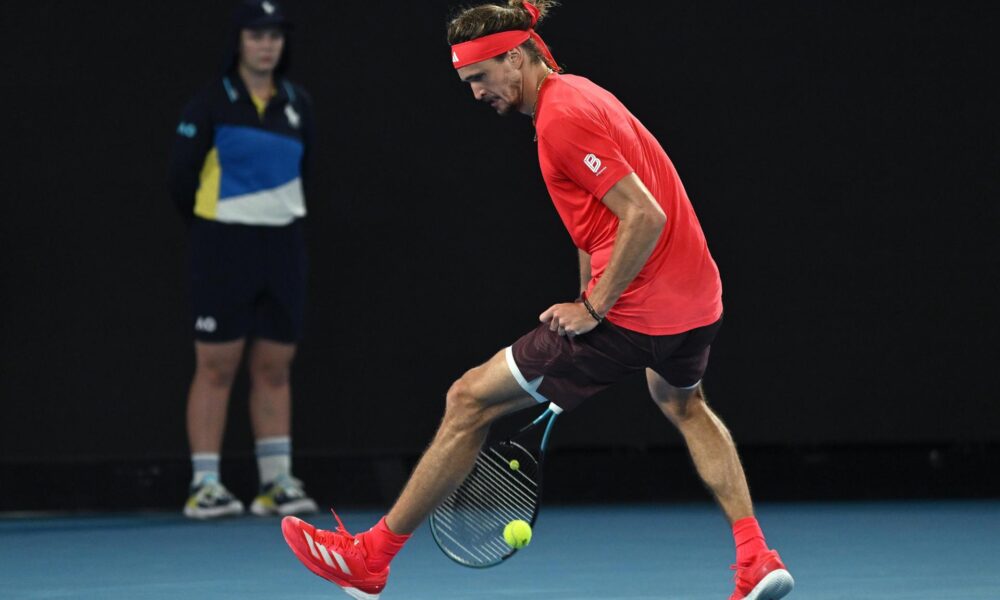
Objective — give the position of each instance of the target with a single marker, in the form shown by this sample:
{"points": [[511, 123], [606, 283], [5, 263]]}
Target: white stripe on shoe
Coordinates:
{"points": [[321, 551], [312, 545], [341, 563], [326, 555]]}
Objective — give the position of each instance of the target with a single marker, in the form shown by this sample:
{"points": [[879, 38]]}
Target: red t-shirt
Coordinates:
{"points": [[587, 142]]}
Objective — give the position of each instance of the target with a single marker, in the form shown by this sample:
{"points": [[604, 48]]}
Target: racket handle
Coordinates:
{"points": [[555, 410]]}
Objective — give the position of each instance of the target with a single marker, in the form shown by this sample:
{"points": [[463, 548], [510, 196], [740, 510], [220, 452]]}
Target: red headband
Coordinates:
{"points": [[496, 44]]}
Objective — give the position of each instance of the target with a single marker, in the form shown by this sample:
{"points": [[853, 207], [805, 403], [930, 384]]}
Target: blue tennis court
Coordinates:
{"points": [[875, 551]]}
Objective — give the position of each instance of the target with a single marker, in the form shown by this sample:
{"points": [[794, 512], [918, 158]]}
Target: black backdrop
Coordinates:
{"points": [[842, 158]]}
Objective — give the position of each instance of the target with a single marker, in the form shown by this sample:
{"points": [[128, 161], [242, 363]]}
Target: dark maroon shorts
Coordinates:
{"points": [[567, 371]]}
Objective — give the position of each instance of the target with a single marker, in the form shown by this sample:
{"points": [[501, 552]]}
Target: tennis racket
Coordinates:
{"points": [[505, 484]]}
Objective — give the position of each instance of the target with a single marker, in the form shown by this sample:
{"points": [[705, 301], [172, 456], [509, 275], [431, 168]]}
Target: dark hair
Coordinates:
{"points": [[486, 19]]}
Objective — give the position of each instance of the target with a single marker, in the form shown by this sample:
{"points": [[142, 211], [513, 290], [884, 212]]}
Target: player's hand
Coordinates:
{"points": [[568, 318]]}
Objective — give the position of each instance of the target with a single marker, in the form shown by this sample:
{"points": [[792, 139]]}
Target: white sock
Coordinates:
{"points": [[274, 458], [205, 465]]}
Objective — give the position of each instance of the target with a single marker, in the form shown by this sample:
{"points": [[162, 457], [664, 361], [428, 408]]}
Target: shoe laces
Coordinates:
{"points": [[740, 569], [290, 487], [341, 536], [340, 525], [213, 490]]}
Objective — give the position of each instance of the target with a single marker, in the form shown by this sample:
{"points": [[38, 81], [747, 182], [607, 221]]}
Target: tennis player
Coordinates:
{"points": [[651, 300]]}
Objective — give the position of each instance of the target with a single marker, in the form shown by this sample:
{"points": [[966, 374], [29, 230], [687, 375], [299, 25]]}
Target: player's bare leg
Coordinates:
{"points": [[270, 366], [711, 447], [760, 572], [208, 398], [360, 564], [479, 398]]}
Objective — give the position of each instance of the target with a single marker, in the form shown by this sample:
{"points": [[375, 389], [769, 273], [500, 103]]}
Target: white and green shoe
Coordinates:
{"points": [[283, 496], [211, 500]]}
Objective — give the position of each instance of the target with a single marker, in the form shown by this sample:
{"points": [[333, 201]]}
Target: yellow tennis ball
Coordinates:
{"points": [[515, 465], [517, 534]]}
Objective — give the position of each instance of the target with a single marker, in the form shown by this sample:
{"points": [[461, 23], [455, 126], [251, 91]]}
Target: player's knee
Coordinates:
{"points": [[463, 409], [682, 405], [460, 398]]}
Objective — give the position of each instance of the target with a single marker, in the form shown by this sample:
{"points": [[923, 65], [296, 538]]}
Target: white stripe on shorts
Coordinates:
{"points": [[529, 386], [690, 387]]}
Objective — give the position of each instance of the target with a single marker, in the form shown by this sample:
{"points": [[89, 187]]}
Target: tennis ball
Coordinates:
{"points": [[514, 464], [517, 534]]}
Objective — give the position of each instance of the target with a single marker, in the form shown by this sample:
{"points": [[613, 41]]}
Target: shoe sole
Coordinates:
{"points": [[232, 510], [298, 507], [289, 532], [775, 585]]}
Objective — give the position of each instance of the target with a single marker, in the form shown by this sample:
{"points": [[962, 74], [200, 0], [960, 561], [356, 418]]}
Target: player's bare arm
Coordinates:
{"points": [[641, 221], [584, 271]]}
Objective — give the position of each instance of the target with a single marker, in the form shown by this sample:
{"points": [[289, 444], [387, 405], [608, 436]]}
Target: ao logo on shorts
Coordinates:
{"points": [[206, 324], [593, 163]]}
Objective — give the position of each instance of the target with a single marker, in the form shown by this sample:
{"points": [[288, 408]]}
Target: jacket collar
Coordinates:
{"points": [[236, 89]]}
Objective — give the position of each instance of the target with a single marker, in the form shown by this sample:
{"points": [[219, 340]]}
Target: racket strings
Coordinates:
{"points": [[470, 522]]}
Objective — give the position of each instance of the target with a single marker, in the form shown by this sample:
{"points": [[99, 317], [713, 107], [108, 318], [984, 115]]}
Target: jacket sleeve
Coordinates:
{"points": [[308, 139], [192, 141]]}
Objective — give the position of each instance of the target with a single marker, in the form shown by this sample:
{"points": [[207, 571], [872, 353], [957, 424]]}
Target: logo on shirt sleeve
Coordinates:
{"points": [[594, 164], [293, 117]]}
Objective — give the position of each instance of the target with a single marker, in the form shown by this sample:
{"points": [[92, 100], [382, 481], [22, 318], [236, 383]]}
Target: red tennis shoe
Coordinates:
{"points": [[763, 578], [336, 556]]}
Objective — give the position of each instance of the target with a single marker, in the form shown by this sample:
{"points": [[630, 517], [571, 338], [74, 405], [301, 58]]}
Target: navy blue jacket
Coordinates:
{"points": [[232, 165]]}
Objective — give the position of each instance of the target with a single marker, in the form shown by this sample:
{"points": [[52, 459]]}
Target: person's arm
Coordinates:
{"points": [[584, 271], [641, 221], [308, 139], [193, 139], [577, 144]]}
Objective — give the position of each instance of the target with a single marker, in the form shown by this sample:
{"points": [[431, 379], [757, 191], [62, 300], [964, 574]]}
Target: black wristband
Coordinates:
{"points": [[590, 309]]}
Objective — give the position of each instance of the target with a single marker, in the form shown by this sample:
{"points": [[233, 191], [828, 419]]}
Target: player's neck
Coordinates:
{"points": [[534, 78]]}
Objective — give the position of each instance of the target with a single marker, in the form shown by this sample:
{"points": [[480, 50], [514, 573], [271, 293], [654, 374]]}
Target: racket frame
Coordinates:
{"points": [[548, 416]]}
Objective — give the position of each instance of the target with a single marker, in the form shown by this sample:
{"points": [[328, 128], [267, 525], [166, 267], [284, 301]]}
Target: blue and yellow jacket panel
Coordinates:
{"points": [[238, 161]]}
